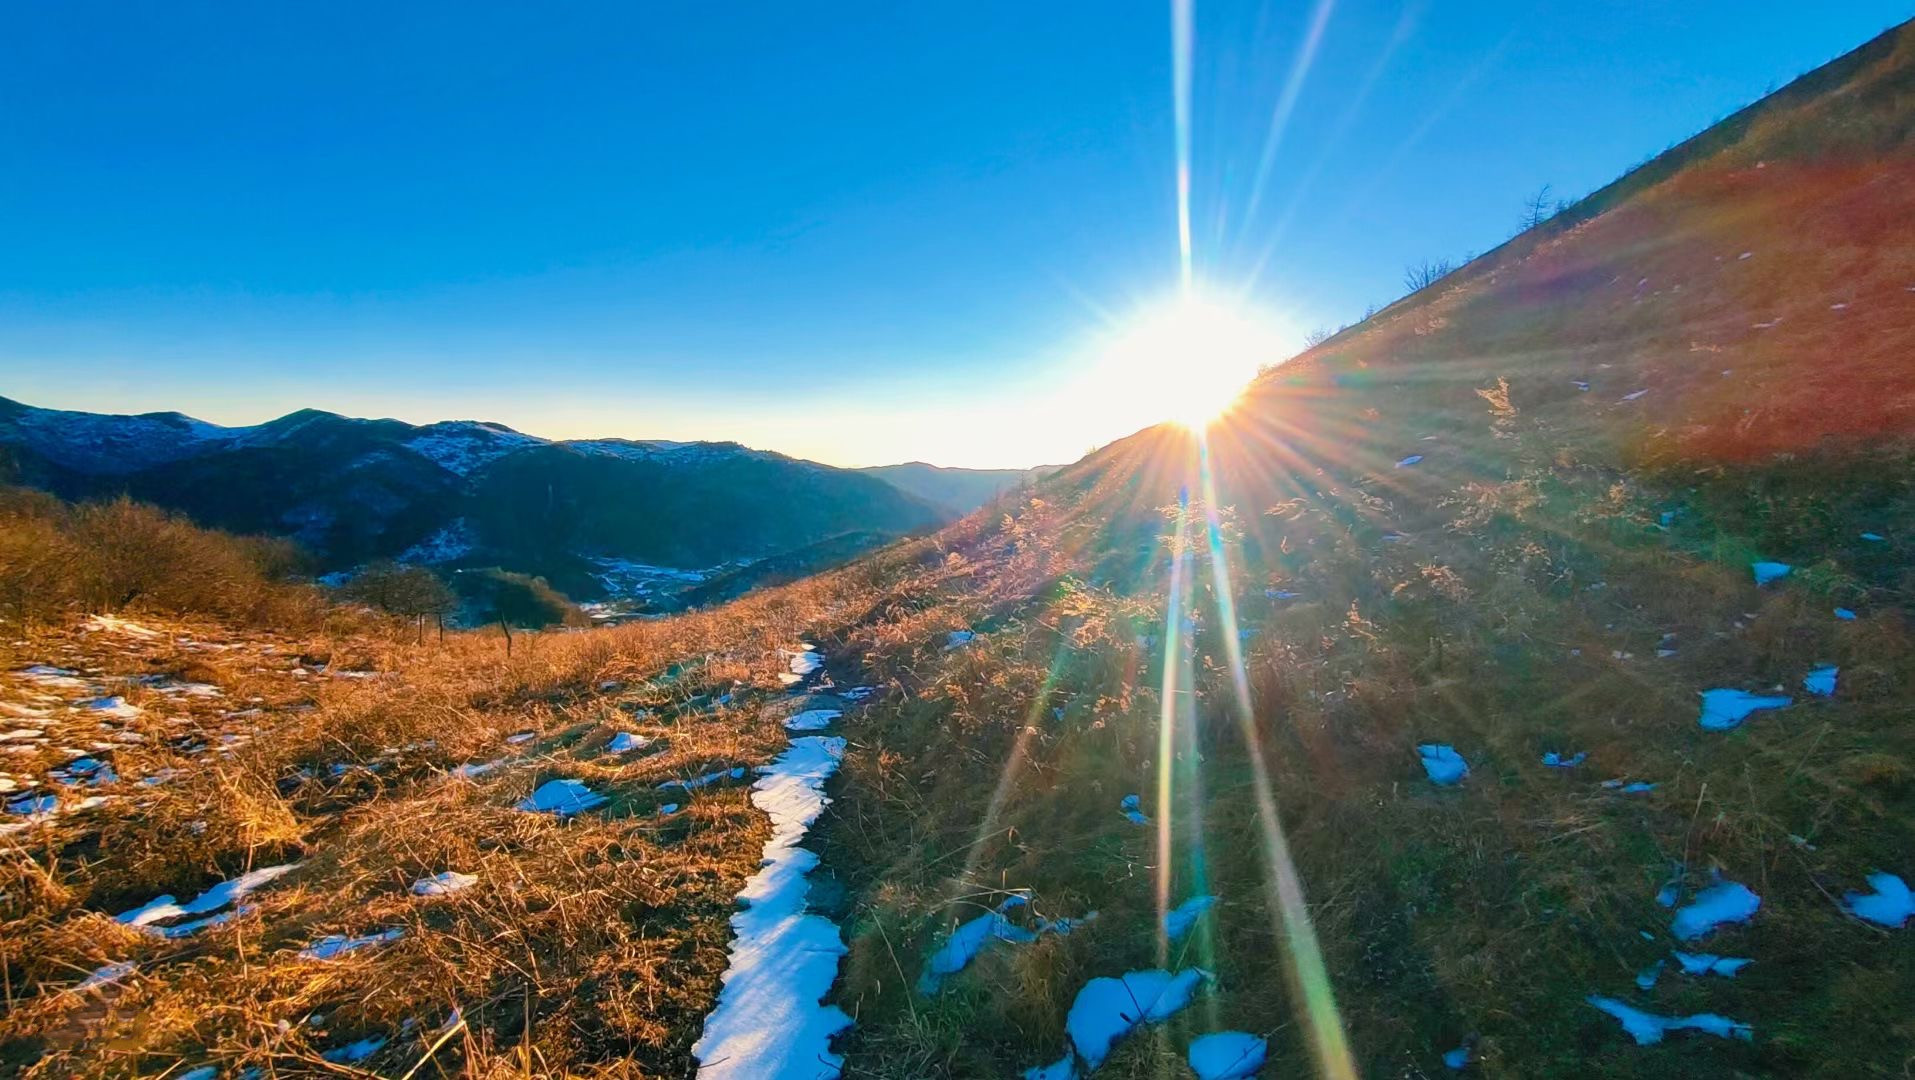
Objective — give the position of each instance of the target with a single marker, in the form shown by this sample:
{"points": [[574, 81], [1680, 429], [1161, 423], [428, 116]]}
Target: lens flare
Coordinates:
{"points": [[1191, 358]]}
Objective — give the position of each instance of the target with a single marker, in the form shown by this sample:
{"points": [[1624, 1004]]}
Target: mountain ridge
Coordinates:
{"points": [[458, 493]]}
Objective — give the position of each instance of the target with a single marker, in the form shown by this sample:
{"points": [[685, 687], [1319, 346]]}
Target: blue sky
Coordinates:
{"points": [[854, 232]]}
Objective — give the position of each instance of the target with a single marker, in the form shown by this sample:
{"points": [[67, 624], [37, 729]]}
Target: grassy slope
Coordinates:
{"points": [[1533, 554], [1521, 614]]}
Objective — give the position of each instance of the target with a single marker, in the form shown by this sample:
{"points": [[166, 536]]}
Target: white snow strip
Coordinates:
{"points": [[333, 946], [769, 1023], [811, 719], [442, 883], [625, 742], [227, 893]]}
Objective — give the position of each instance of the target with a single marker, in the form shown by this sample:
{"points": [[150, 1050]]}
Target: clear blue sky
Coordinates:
{"points": [[854, 232]]}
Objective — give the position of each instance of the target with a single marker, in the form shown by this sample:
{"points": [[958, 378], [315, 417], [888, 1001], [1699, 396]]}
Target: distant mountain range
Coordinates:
{"points": [[600, 518], [958, 491]]}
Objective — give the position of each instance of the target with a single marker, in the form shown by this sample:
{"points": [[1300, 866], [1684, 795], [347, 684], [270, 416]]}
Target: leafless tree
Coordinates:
{"points": [[1426, 273]]}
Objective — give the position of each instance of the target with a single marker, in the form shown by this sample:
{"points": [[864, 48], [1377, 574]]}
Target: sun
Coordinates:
{"points": [[1188, 360]]}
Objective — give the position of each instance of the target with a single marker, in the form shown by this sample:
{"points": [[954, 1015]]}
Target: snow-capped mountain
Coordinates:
{"points": [[462, 492]]}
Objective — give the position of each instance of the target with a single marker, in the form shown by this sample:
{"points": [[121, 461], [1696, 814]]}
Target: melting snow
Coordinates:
{"points": [[1107, 1009], [1064, 1068], [1820, 680], [1132, 808], [1723, 902], [1457, 1058], [564, 798], [34, 806], [226, 893], [957, 638], [335, 945], [355, 1051], [970, 939], [806, 662], [1633, 395], [115, 707], [1179, 922], [447, 881], [521, 738], [737, 773], [811, 719], [1408, 461], [1723, 710], [1648, 1029], [1227, 1055], [1557, 761], [1891, 904], [1874, 538], [769, 1021], [1629, 787], [107, 975], [625, 742], [1766, 572], [1844, 614], [1710, 964], [1646, 978], [1443, 763]]}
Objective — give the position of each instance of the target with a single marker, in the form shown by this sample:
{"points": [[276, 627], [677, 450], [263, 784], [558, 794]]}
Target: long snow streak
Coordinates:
{"points": [[769, 1023]]}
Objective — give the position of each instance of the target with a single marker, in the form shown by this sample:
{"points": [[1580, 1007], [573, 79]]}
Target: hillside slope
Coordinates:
{"points": [[1377, 717], [586, 513], [1518, 516]]}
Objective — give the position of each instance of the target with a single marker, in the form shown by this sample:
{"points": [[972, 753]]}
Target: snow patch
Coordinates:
{"points": [[769, 1020], [1444, 765], [333, 946], [1820, 680], [969, 939], [1710, 964], [1648, 1029], [1724, 710], [1179, 921], [625, 742], [811, 719], [562, 798], [1723, 902], [443, 883], [1227, 1055], [1890, 904], [1107, 1009], [229, 893]]}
